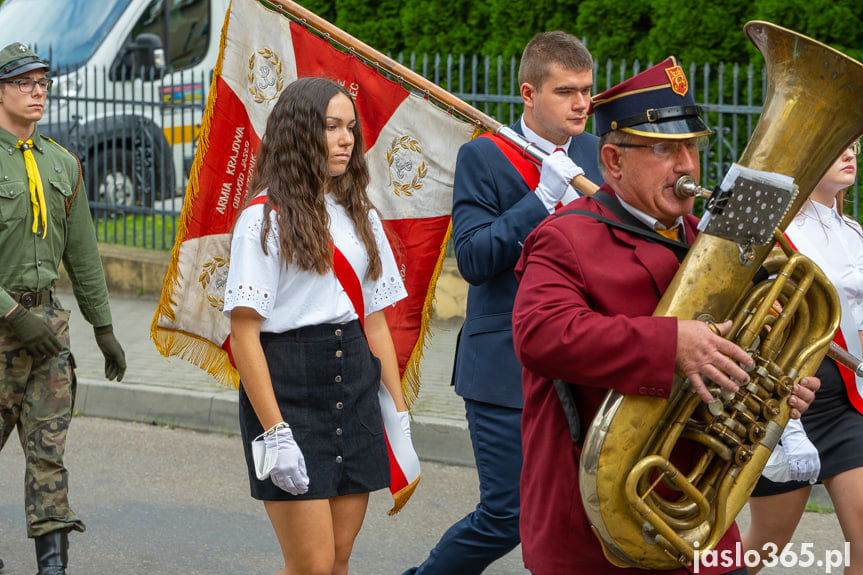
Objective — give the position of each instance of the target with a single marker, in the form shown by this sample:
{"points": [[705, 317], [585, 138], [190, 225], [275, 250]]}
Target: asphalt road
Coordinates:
{"points": [[160, 501], [175, 502]]}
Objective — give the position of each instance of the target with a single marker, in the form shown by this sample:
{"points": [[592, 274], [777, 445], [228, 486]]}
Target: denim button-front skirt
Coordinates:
{"points": [[326, 382]]}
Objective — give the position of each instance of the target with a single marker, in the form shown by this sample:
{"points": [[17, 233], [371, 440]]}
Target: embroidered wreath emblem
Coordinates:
{"points": [[267, 78], [218, 267], [401, 156]]}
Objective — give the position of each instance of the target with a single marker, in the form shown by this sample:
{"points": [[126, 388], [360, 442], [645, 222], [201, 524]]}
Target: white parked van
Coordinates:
{"points": [[130, 86]]}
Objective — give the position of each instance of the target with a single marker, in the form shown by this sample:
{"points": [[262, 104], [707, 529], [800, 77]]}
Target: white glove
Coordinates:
{"points": [[557, 171], [797, 460], [803, 461], [289, 469], [405, 422]]}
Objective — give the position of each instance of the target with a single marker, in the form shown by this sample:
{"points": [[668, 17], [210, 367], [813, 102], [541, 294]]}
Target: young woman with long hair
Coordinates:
{"points": [[310, 372]]}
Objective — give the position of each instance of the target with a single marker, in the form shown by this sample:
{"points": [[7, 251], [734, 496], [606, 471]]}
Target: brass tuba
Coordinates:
{"points": [[813, 110]]}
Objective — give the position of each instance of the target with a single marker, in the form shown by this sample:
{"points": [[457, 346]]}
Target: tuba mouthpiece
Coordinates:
{"points": [[685, 187]]}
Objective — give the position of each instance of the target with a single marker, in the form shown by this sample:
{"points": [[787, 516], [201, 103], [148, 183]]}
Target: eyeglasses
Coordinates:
{"points": [[670, 148], [27, 85], [855, 148]]}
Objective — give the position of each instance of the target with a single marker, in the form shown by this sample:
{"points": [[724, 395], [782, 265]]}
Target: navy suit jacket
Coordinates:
{"points": [[493, 212]]}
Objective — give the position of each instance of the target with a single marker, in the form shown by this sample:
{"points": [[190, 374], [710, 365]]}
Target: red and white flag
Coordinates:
{"points": [[411, 147]]}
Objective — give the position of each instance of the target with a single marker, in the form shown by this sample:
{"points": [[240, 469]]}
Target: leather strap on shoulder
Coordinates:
{"points": [[629, 223]]}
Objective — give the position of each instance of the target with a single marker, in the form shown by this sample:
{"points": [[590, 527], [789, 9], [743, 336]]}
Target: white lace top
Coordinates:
{"points": [[836, 245], [287, 297]]}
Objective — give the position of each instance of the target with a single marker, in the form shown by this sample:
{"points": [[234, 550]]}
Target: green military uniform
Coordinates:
{"points": [[44, 220], [31, 262], [37, 395]]}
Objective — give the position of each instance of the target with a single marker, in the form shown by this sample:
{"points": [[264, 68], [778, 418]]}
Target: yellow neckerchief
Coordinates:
{"points": [[37, 194], [672, 234]]}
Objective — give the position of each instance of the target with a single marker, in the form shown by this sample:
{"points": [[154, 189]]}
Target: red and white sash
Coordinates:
{"points": [[527, 169]]}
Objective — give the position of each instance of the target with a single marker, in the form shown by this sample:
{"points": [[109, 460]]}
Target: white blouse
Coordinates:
{"points": [[287, 297], [834, 243]]}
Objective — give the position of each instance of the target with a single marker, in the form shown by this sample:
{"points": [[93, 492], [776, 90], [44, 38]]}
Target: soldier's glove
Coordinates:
{"points": [[115, 358], [36, 335]]}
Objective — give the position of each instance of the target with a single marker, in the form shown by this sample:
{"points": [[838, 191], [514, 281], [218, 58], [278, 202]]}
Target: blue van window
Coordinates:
{"points": [[186, 35], [66, 32]]}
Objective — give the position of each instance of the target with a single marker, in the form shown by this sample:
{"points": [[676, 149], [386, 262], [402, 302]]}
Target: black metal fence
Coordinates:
{"points": [[137, 139]]}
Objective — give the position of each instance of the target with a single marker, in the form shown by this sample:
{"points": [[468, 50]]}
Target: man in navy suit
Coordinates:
{"points": [[496, 204]]}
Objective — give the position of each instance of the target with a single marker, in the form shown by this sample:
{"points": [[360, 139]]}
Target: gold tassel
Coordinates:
{"points": [[198, 351], [401, 498], [411, 376]]}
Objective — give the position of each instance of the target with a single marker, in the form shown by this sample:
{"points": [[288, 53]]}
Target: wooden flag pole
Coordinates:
{"points": [[422, 85]]}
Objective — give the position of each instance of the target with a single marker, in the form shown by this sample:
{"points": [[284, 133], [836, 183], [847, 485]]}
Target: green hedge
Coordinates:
{"points": [[700, 31]]}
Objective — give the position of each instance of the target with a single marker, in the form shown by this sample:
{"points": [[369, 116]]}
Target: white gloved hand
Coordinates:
{"points": [[554, 177], [405, 422], [289, 469], [796, 459], [803, 460]]}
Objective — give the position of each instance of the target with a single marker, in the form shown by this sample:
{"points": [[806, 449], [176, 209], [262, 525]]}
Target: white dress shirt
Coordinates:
{"points": [[835, 243]]}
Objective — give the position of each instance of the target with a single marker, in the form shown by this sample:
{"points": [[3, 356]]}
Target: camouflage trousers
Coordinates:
{"points": [[37, 396]]}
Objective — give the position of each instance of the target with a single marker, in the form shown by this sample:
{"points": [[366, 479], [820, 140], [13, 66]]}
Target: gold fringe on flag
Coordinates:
{"points": [[411, 375]]}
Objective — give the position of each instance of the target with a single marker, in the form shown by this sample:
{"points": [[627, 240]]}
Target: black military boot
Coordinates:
{"points": [[52, 553], [1, 563]]}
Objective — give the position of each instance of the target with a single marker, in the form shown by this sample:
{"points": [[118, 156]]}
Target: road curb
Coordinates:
{"points": [[218, 412], [174, 407]]}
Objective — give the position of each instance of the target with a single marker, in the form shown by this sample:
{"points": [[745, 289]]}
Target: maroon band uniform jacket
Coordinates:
{"points": [[583, 314]]}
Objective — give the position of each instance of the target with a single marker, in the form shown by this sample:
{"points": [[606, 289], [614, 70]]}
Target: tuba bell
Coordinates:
{"points": [[645, 511]]}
